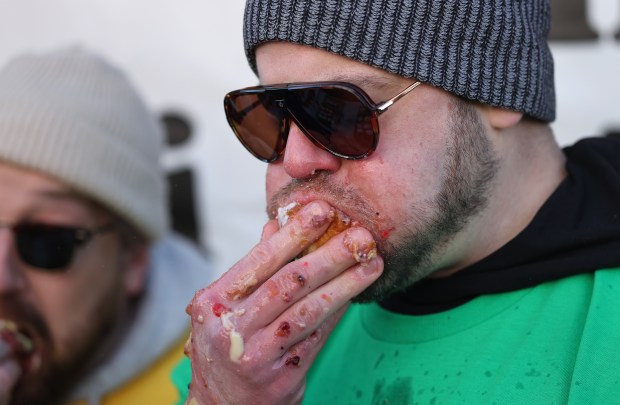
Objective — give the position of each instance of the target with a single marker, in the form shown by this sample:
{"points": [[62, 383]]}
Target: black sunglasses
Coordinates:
{"points": [[336, 116], [50, 247]]}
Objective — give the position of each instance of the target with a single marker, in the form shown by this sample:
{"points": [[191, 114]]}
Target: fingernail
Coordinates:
{"points": [[362, 251], [317, 216]]}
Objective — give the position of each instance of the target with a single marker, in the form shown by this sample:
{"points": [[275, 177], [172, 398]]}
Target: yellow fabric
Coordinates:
{"points": [[152, 387]]}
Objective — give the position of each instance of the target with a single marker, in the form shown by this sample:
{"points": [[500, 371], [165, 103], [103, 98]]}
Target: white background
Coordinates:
{"points": [[185, 55]]}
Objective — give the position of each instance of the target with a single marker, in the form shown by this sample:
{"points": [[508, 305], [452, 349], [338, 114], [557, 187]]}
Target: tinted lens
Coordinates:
{"points": [[337, 118], [46, 247], [256, 119]]}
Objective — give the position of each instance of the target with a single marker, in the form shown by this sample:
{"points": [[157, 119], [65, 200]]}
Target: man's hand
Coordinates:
{"points": [[9, 372], [257, 330]]}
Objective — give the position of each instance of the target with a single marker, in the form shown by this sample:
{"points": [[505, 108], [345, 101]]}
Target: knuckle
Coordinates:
{"points": [[292, 282], [313, 216], [220, 341], [261, 253], [309, 313]]}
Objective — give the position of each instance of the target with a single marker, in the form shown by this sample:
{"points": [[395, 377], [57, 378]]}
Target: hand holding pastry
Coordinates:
{"points": [[257, 330]]}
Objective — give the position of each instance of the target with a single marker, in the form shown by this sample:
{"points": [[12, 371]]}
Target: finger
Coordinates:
{"points": [[295, 362], [302, 355], [269, 229], [270, 255], [302, 276], [307, 315]]}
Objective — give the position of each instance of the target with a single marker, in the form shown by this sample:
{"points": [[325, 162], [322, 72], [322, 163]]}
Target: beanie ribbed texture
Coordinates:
{"points": [[491, 51], [72, 116]]}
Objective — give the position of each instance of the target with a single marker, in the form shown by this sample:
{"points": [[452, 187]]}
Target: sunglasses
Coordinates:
{"points": [[51, 247], [336, 116]]}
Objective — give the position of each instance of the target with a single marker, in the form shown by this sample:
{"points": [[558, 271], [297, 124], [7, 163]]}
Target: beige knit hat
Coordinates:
{"points": [[75, 117]]}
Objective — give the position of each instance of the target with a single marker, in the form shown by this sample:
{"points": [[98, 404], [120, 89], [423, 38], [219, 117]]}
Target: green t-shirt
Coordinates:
{"points": [[556, 343]]}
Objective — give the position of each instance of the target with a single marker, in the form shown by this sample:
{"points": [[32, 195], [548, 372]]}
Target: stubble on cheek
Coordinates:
{"points": [[413, 234], [467, 174], [77, 343]]}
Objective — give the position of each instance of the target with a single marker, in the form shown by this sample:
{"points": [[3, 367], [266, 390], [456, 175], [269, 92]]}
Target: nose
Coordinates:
{"points": [[11, 278], [302, 158]]}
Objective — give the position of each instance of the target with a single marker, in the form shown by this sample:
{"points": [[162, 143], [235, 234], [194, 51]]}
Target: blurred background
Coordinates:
{"points": [[185, 55]]}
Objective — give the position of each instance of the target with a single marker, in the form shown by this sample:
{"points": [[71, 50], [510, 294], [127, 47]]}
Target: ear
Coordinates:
{"points": [[136, 268], [501, 118]]}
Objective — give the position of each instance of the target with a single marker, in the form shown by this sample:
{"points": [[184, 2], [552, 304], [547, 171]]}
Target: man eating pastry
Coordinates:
{"points": [[482, 264]]}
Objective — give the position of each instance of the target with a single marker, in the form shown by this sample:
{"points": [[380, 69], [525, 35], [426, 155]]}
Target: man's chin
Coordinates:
{"points": [[48, 386], [375, 292]]}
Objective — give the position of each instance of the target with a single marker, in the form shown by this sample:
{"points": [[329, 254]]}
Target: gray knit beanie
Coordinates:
{"points": [[71, 115], [491, 51]]}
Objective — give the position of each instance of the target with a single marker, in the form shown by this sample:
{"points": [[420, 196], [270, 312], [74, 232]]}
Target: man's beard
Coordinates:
{"points": [[59, 374], [470, 170]]}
